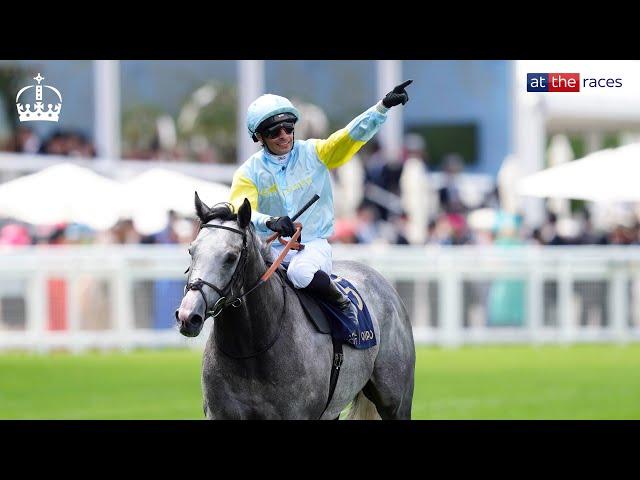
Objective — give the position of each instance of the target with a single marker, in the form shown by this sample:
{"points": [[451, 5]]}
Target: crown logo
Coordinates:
{"points": [[37, 111]]}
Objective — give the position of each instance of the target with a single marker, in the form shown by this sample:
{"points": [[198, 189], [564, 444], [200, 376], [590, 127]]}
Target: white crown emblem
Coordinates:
{"points": [[38, 112]]}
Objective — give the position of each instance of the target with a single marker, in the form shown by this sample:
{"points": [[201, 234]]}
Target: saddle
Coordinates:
{"points": [[329, 320]]}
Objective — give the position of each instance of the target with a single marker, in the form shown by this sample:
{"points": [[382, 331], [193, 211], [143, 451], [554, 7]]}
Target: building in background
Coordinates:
{"points": [[458, 106]]}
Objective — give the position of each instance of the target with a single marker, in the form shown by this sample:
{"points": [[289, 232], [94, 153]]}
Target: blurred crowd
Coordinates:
{"points": [[60, 142], [372, 223], [204, 154], [198, 150], [74, 143], [382, 214], [178, 230], [450, 219]]}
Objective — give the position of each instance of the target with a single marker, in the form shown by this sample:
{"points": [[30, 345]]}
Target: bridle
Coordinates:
{"points": [[223, 302]]}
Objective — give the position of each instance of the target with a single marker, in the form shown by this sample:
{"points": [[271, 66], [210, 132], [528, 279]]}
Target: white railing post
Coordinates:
{"points": [[566, 307], [73, 310], [450, 307], [420, 303], [122, 305], [619, 304], [535, 305], [36, 299]]}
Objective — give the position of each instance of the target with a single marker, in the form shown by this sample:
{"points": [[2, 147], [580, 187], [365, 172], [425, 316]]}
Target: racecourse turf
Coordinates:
{"points": [[506, 382]]}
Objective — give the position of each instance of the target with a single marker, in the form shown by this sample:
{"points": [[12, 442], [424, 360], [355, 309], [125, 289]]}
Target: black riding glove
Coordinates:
{"points": [[283, 225], [397, 96]]}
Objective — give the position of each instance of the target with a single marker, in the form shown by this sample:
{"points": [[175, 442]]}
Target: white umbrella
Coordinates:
{"points": [[62, 193], [153, 193], [609, 175]]}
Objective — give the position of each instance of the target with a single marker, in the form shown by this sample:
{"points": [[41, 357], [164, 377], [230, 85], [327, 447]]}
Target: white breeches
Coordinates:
{"points": [[303, 264]]}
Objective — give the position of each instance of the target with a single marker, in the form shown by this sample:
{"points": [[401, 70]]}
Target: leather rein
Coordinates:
{"points": [[224, 302]]}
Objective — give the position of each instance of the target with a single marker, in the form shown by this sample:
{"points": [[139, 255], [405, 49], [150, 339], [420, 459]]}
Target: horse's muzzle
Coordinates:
{"points": [[191, 325]]}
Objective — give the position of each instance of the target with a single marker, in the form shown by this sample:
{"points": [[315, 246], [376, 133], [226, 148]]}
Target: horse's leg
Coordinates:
{"points": [[390, 387], [391, 403]]}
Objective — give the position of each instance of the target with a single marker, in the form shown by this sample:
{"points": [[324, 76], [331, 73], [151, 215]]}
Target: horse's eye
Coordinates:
{"points": [[230, 258]]}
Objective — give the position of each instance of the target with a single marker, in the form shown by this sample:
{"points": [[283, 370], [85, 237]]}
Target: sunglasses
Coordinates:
{"points": [[274, 131]]}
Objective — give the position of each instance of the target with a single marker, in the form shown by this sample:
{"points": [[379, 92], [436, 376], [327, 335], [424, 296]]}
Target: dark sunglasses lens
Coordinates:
{"points": [[274, 131]]}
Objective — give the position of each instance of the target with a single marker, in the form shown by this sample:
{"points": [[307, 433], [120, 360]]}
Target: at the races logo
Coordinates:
{"points": [[568, 82]]}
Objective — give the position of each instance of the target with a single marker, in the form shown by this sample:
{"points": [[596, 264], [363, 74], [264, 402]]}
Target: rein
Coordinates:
{"points": [[223, 302]]}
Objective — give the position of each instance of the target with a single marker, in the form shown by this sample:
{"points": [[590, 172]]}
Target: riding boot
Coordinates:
{"points": [[325, 288]]}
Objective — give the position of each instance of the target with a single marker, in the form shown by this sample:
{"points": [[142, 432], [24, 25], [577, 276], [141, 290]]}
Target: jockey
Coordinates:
{"points": [[282, 177]]}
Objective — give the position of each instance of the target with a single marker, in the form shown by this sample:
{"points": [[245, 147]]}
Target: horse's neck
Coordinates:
{"points": [[256, 322]]}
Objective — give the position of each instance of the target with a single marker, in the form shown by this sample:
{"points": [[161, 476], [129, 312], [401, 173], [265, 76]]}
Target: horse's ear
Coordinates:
{"points": [[244, 214], [201, 209]]}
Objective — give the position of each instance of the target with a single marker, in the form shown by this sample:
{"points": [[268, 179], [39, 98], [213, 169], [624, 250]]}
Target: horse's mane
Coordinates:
{"points": [[226, 211]]}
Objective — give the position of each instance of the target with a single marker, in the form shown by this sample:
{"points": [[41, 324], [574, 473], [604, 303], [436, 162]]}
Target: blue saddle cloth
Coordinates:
{"points": [[360, 336]]}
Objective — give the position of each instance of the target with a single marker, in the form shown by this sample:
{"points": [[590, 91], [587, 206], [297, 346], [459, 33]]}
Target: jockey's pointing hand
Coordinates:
{"points": [[283, 225], [397, 96]]}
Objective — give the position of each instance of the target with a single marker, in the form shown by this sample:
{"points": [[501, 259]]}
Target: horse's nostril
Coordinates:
{"points": [[194, 319], [177, 317]]}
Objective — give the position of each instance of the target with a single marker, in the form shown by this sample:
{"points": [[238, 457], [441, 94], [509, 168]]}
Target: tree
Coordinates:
{"points": [[210, 113], [12, 79]]}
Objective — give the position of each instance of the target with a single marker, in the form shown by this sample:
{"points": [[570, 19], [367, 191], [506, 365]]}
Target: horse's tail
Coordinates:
{"points": [[362, 409]]}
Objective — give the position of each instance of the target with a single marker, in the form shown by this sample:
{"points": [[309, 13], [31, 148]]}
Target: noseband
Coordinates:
{"points": [[222, 302]]}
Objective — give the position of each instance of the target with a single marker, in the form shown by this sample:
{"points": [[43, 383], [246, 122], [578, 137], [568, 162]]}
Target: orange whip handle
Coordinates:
{"points": [[278, 261]]}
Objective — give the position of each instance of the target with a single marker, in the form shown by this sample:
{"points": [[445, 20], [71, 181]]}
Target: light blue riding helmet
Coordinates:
{"points": [[267, 106]]}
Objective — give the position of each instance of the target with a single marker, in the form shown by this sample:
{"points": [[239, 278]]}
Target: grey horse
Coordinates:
{"points": [[263, 358]]}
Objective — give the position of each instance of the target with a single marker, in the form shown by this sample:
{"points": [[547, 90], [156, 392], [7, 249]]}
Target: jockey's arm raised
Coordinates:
{"points": [[342, 145]]}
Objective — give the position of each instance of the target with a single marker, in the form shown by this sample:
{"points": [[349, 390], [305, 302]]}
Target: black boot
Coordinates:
{"points": [[322, 286]]}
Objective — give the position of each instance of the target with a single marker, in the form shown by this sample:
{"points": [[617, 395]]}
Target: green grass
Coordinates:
{"points": [[139, 385], [581, 382]]}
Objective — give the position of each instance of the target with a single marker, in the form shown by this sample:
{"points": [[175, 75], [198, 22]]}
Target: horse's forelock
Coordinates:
{"points": [[223, 211]]}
